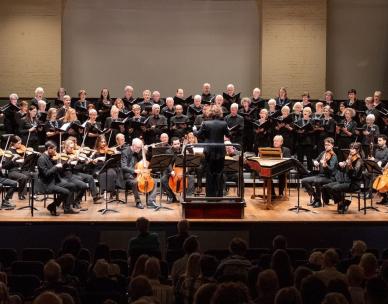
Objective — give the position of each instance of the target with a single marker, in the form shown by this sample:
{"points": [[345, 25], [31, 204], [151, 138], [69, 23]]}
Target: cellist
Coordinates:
{"points": [[129, 157]]}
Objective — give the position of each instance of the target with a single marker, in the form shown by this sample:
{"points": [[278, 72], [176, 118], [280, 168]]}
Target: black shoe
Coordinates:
{"points": [[53, 209], [384, 201], [139, 205], [152, 205], [317, 204], [347, 204], [96, 199], [70, 211], [8, 204], [22, 197]]}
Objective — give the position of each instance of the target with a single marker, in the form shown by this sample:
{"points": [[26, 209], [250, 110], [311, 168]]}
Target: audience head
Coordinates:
{"points": [[208, 265], [190, 245], [140, 287], [313, 290], [152, 269], [238, 246], [67, 263], [183, 227], [142, 225], [316, 259], [330, 258], [48, 297], [267, 283], [52, 271], [139, 268], [335, 298], [193, 266], [71, 244], [340, 286], [101, 269], [279, 242], [205, 293], [359, 248], [288, 295], [300, 273], [231, 293], [369, 264], [355, 275]]}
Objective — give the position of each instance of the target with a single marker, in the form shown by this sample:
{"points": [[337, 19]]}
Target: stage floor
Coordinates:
{"points": [[255, 212]]}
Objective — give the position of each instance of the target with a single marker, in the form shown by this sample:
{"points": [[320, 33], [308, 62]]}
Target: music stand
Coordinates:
{"points": [[110, 163], [189, 161], [373, 169], [159, 163], [29, 164], [301, 170]]}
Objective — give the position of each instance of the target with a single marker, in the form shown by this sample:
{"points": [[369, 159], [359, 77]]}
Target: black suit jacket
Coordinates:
{"points": [[128, 162], [213, 131]]}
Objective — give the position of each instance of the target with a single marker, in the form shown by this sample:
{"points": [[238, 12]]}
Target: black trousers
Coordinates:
{"points": [[305, 150], [22, 177], [215, 176], [87, 178], [315, 181], [107, 180], [64, 190], [9, 183], [335, 191], [79, 187]]}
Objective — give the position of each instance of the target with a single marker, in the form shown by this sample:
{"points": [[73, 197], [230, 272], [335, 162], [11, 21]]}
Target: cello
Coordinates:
{"points": [[176, 182], [145, 183]]}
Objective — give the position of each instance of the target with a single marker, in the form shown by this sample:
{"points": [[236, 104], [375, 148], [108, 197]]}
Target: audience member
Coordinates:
{"points": [[162, 292], [205, 293], [288, 295], [281, 264], [355, 277], [231, 293], [145, 242], [236, 266], [313, 290], [329, 271], [175, 242], [267, 287], [335, 298], [369, 264], [300, 273], [188, 283], [139, 287], [48, 297]]}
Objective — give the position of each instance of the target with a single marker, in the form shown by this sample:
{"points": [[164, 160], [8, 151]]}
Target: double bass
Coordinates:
{"points": [[145, 182], [176, 182]]}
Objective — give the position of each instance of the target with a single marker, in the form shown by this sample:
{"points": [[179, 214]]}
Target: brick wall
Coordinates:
{"points": [[30, 46], [294, 47]]}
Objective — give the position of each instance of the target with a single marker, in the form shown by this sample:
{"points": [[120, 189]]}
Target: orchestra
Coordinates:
{"points": [[330, 138]]}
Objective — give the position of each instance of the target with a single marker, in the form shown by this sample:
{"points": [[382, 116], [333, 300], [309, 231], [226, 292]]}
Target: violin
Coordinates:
{"points": [[328, 155], [145, 183], [24, 150], [351, 159], [6, 153]]}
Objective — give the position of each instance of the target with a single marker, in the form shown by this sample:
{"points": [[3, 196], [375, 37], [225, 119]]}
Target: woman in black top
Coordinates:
{"points": [[326, 129], [346, 130], [29, 128], [305, 138]]}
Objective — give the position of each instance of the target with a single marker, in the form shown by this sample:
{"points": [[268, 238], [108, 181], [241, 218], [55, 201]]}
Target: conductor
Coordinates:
{"points": [[213, 131]]}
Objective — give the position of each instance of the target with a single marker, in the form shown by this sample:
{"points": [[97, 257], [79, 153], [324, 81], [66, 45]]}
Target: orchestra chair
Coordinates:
{"points": [[24, 284], [28, 267], [7, 257], [37, 254]]}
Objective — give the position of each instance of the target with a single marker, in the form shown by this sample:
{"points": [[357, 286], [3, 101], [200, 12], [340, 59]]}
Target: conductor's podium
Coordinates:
{"points": [[223, 209]]}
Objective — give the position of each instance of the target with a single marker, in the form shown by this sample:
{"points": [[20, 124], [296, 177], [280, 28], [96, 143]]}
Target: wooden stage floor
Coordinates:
{"points": [[255, 212]]}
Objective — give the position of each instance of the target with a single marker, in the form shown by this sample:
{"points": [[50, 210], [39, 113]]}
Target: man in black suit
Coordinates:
{"points": [[213, 131]]}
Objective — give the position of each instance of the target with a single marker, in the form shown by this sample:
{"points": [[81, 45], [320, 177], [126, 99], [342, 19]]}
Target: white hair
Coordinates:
{"points": [[278, 137], [13, 96], [114, 108], [155, 106], [128, 87], [137, 141], [371, 116], [67, 97], [39, 89], [234, 105], [41, 103], [169, 99], [272, 101], [198, 97], [92, 111]]}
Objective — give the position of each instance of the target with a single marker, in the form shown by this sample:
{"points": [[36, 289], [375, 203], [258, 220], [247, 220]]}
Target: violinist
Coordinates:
{"points": [[6, 203], [29, 128], [13, 166], [129, 158], [75, 173], [326, 163], [99, 156], [156, 125], [346, 129], [50, 181], [348, 178], [91, 128], [52, 125]]}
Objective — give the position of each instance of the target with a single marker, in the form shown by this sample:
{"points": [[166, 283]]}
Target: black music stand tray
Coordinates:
{"points": [[301, 170], [29, 165], [158, 164], [373, 168], [110, 163]]}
